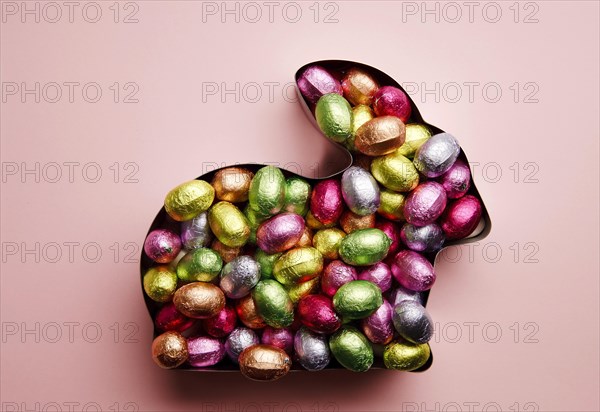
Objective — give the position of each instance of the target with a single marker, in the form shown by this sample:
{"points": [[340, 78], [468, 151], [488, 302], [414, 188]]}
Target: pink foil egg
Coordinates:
{"points": [[425, 204], [169, 318], [205, 351], [457, 180], [315, 82], [282, 338], [378, 327], [326, 203], [280, 232], [222, 324], [336, 274], [413, 271], [461, 217], [316, 313], [379, 274], [392, 230], [162, 246], [391, 101]]}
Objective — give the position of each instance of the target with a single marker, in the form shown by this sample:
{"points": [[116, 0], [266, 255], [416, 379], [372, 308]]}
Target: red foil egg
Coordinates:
{"points": [[326, 203], [392, 231], [391, 101], [316, 313], [461, 218], [169, 318], [222, 324], [336, 274], [413, 271]]}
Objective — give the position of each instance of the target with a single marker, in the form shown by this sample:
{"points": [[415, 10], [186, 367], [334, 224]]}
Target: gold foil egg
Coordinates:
{"points": [[264, 363], [380, 136], [189, 199], [327, 241], [229, 224], [160, 283], [298, 265], [416, 135], [392, 205], [232, 184], [395, 172], [199, 300], [350, 221], [405, 356]]}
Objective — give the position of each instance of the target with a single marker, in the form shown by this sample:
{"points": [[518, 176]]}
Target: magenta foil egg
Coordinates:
{"points": [[169, 318], [316, 313], [222, 324], [413, 271], [280, 232], [391, 101], [326, 203], [428, 238], [205, 351], [461, 218], [392, 230], [162, 246], [425, 204], [457, 180], [378, 327], [336, 274], [379, 274], [315, 81], [281, 338]]}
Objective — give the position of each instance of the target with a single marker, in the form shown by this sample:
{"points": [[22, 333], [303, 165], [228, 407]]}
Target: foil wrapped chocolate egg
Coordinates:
{"points": [[392, 231], [248, 314], [327, 242], [336, 274], [273, 303], [380, 136], [413, 271], [297, 195], [351, 349], [298, 265], [232, 184], [312, 350], [229, 224], [169, 319], [266, 262], [195, 233], [264, 363], [162, 246], [326, 203], [405, 356], [280, 233], [380, 274], [378, 327], [300, 290], [364, 247], [306, 239], [199, 300], [395, 172], [316, 313], [267, 191], [461, 217], [457, 180], [222, 323], [437, 155], [189, 199], [400, 293], [205, 351], [281, 338], [334, 117], [416, 135], [360, 191], [315, 82], [169, 350], [359, 87], [239, 277], [412, 321], [425, 204], [391, 101], [160, 283], [428, 238], [238, 340], [361, 114], [199, 265], [227, 253], [350, 221], [392, 205], [357, 299]]}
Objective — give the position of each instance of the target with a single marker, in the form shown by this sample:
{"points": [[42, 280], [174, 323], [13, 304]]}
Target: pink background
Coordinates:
{"points": [[543, 299]]}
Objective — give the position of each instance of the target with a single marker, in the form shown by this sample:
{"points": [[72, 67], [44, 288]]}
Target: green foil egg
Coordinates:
{"points": [[395, 172], [416, 135], [298, 265], [364, 247], [405, 356], [391, 205], [267, 191], [357, 299], [273, 303], [229, 224], [160, 283], [334, 117], [189, 199], [267, 262], [297, 196], [351, 349], [199, 265]]}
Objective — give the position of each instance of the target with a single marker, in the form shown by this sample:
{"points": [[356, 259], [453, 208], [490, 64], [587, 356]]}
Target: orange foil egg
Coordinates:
{"points": [[264, 363], [199, 300], [359, 87], [380, 136]]}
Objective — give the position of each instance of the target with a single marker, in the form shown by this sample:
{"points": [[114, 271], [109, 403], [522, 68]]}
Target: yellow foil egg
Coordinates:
{"points": [[327, 241], [395, 172], [416, 135], [405, 356], [380, 136], [189, 199], [229, 224], [232, 184], [297, 292], [298, 265], [391, 205]]}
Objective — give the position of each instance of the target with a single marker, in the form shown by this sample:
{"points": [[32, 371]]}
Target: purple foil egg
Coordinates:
{"points": [[392, 230], [280, 232], [360, 191], [391, 101], [196, 233], [413, 271], [336, 274], [222, 324], [378, 327], [400, 293], [380, 274], [169, 318], [412, 321], [315, 81], [428, 238], [425, 204], [326, 203], [457, 180], [238, 340], [205, 351], [461, 218], [437, 155], [162, 246], [282, 338]]}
